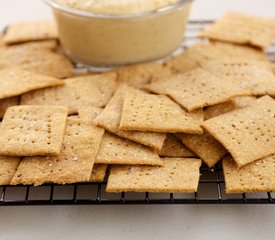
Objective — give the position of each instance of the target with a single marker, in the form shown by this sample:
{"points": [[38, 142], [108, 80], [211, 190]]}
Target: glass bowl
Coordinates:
{"points": [[104, 40]]}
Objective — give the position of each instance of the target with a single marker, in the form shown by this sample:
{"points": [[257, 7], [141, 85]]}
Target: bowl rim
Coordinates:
{"points": [[66, 9]]}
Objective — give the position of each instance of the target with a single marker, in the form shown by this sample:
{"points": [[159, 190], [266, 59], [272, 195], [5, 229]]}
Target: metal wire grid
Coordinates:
{"points": [[211, 191], [211, 184]]}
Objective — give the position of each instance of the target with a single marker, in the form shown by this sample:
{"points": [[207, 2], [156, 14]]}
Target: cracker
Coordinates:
{"points": [[6, 103], [177, 175], [200, 52], [2, 44], [205, 146], [117, 150], [273, 67], [242, 29], [93, 90], [51, 45], [73, 164], [147, 112], [89, 113], [32, 130], [141, 74], [98, 173], [184, 62], [172, 147], [233, 104], [235, 50], [197, 89], [38, 60], [109, 119], [30, 31], [254, 177], [247, 133], [16, 81], [255, 76], [8, 167]]}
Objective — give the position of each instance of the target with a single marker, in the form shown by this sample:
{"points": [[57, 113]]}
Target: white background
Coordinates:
{"points": [[138, 222]]}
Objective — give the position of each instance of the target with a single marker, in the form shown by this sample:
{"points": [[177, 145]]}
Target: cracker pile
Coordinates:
{"points": [[150, 126]]}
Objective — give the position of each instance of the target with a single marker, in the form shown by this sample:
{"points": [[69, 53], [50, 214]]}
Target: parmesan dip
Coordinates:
{"points": [[108, 33], [116, 6]]}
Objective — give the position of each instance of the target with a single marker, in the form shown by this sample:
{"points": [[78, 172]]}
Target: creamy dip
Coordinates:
{"points": [[116, 6], [112, 41]]}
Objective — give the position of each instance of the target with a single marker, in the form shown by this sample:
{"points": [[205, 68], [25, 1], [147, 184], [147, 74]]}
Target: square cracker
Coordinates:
{"points": [[273, 67], [177, 175], [247, 133], [200, 52], [87, 91], [157, 113], [30, 31], [205, 146], [8, 167], [117, 150], [172, 147], [38, 60], [98, 173], [89, 113], [242, 29], [2, 44], [255, 76], [32, 130], [197, 89], [50, 45], [109, 119], [141, 74], [254, 177], [233, 104], [73, 164], [235, 50], [16, 81], [6, 103]]}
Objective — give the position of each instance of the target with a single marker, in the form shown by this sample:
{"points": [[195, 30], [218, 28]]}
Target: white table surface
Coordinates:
{"points": [[138, 222]]}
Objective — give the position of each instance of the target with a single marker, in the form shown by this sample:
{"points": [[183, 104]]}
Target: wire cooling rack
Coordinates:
{"points": [[211, 186]]}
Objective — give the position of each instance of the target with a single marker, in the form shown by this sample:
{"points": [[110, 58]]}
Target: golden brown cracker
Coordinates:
{"points": [[50, 45], [233, 104], [89, 113], [109, 119], [117, 150], [205, 146], [255, 76], [242, 29], [32, 130], [254, 177], [141, 74], [235, 50], [98, 173], [73, 164], [6, 103], [247, 133], [156, 113], [15, 81], [38, 60], [93, 90], [177, 175], [172, 147], [200, 52], [197, 89], [8, 167], [30, 31]]}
